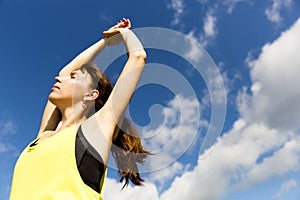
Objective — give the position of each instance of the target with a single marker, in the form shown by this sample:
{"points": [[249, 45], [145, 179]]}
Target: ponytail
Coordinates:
{"points": [[127, 152]]}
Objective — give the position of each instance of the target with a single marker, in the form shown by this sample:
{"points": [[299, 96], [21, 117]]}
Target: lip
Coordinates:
{"points": [[55, 87]]}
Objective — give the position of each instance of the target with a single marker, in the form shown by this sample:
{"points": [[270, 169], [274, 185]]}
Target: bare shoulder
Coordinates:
{"points": [[51, 118], [99, 123], [98, 130]]}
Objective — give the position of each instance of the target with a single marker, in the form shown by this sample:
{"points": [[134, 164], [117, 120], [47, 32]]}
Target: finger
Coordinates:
{"points": [[105, 34], [124, 23], [120, 24], [128, 24]]}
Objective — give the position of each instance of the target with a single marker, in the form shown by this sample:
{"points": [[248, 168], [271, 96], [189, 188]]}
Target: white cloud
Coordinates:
{"points": [[231, 4], [174, 137], [275, 75], [273, 12], [7, 126], [233, 162], [195, 53], [285, 188], [3, 148], [218, 84], [262, 143], [112, 191], [209, 27], [181, 113], [284, 160], [7, 147], [166, 174], [178, 7]]}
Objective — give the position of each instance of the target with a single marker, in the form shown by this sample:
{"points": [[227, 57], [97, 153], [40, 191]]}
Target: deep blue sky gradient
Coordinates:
{"points": [[37, 38]]}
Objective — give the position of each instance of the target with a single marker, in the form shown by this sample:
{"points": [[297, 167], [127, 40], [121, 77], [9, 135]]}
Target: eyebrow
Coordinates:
{"points": [[73, 73]]}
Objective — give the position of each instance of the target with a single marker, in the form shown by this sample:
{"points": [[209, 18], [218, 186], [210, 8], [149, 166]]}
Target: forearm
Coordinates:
{"points": [[133, 45], [129, 77], [88, 55]]}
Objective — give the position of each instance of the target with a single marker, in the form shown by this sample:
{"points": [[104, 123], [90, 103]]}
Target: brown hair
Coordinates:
{"points": [[127, 149]]}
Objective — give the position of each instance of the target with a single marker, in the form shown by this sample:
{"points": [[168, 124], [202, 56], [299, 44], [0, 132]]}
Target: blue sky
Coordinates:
{"points": [[251, 52]]}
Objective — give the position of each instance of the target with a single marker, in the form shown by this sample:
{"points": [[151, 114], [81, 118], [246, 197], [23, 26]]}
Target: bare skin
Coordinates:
{"points": [[66, 108]]}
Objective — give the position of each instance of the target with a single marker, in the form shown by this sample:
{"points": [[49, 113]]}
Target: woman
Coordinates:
{"points": [[82, 122]]}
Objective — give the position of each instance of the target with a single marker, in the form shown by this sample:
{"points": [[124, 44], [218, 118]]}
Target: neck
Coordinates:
{"points": [[71, 115]]}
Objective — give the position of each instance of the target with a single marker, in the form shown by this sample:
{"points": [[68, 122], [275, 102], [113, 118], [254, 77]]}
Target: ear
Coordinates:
{"points": [[91, 96]]}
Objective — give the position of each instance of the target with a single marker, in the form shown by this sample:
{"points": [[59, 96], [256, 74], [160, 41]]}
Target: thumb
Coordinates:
{"points": [[105, 34]]}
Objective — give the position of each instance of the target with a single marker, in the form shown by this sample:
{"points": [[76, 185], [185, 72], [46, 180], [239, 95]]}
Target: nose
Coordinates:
{"points": [[57, 79]]}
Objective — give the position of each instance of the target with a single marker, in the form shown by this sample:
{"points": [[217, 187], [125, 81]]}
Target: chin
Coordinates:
{"points": [[53, 99]]}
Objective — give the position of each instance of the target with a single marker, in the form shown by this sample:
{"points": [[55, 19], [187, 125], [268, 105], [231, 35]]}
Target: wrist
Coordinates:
{"points": [[124, 33], [106, 41]]}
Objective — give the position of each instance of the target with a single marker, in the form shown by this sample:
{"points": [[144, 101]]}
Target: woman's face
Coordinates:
{"points": [[70, 89]]}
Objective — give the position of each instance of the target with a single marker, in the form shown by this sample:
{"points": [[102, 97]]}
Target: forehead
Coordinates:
{"points": [[82, 75], [79, 73]]}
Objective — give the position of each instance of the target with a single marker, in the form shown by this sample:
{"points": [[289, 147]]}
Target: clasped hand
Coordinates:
{"points": [[112, 35]]}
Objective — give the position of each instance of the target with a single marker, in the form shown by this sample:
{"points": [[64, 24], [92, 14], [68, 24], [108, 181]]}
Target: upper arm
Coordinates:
{"points": [[51, 117], [100, 128], [124, 88]]}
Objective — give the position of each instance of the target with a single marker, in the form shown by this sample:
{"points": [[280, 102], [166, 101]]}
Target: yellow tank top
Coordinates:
{"points": [[48, 171]]}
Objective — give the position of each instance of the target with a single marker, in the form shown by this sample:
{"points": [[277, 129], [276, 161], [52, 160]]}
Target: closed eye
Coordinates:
{"points": [[73, 75]]}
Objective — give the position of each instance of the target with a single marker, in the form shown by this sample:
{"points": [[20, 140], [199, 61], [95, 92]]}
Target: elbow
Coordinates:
{"points": [[139, 56], [142, 55]]}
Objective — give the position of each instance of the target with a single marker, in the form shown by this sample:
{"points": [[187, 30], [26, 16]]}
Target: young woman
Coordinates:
{"points": [[82, 122]]}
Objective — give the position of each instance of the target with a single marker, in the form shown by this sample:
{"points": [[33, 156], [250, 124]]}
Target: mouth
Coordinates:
{"points": [[55, 87]]}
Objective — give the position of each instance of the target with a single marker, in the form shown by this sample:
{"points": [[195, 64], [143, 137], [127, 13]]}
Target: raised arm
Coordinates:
{"points": [[52, 116], [86, 56], [125, 86]]}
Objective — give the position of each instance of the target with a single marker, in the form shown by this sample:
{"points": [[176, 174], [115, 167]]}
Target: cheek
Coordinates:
{"points": [[80, 89]]}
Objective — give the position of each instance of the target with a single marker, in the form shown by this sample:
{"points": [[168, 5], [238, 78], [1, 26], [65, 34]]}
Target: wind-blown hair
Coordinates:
{"points": [[127, 149]]}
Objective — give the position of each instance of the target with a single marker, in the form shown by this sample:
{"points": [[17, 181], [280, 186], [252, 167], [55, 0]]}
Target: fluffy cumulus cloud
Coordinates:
{"points": [[264, 142], [112, 191], [232, 164], [275, 75], [182, 115], [257, 148], [273, 12]]}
